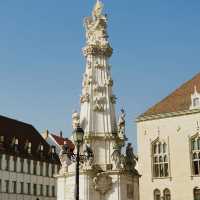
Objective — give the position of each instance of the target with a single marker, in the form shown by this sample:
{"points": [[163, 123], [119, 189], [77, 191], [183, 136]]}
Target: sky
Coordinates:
{"points": [[156, 48]]}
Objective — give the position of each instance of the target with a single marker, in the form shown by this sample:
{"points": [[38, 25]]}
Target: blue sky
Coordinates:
{"points": [[156, 48]]}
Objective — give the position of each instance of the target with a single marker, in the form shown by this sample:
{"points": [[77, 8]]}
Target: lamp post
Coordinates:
{"points": [[78, 134]]}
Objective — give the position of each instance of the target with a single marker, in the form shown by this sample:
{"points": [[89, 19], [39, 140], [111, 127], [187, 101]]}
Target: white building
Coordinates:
{"points": [[27, 163], [105, 174], [57, 140], [169, 146]]}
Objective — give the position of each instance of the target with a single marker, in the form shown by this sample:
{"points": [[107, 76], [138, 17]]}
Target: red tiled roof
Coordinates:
{"points": [[10, 128], [60, 140], [179, 100]]}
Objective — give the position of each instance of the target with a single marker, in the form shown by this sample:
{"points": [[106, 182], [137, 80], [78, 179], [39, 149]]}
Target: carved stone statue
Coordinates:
{"points": [[131, 159], [98, 8], [75, 119], [65, 158], [121, 124], [95, 26], [116, 157], [89, 155]]}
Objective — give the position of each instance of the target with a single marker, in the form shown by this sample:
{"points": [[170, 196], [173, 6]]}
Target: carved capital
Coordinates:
{"points": [[102, 50]]}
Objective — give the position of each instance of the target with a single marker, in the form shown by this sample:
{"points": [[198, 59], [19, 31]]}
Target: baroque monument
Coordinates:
{"points": [[105, 172]]}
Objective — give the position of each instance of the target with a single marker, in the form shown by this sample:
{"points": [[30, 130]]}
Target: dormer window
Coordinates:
{"points": [[195, 99]]}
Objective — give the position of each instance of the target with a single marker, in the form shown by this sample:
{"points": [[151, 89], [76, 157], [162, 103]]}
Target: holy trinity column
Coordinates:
{"points": [[105, 173]]}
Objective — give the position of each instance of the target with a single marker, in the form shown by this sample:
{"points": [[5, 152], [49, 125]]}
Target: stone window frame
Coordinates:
{"points": [[166, 194], [194, 143], [163, 158], [196, 193], [157, 194]]}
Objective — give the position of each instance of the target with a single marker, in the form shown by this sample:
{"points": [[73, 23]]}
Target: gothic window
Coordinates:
{"points": [[195, 155], [157, 195], [166, 194], [160, 159], [196, 194]]}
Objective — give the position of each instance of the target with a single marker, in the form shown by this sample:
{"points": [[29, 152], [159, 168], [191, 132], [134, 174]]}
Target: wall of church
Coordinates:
{"points": [[176, 171]]}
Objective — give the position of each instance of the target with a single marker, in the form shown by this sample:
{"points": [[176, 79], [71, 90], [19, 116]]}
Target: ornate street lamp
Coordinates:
{"points": [[78, 134]]}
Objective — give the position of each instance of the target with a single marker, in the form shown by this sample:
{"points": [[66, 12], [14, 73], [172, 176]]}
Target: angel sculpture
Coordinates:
{"points": [[65, 158], [121, 124], [131, 159]]}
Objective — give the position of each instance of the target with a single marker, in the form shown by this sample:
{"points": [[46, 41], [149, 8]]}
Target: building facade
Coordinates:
{"points": [[27, 163], [105, 172], [169, 146], [57, 140]]}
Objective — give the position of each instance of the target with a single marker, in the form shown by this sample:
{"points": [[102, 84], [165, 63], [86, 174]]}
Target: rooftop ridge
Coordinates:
{"points": [[177, 100]]}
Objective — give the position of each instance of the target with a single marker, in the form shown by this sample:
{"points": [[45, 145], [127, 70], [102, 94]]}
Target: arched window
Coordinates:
{"points": [[166, 194], [195, 155], [157, 195], [160, 159], [197, 194]]}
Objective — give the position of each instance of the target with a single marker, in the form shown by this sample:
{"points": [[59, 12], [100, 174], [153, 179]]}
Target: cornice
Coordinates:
{"points": [[166, 115]]}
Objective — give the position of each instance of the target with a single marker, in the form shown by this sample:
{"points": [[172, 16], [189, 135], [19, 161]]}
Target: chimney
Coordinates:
{"points": [[61, 134]]}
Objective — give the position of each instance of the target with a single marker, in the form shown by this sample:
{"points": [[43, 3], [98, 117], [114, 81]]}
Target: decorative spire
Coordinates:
{"points": [[97, 113], [98, 9]]}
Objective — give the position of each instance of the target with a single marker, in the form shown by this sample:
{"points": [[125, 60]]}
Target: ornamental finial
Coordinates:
{"points": [[98, 9]]}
